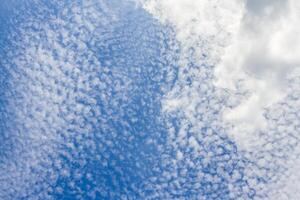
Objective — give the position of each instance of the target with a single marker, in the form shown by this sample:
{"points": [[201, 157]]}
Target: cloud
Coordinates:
{"points": [[251, 48], [262, 7], [264, 53]]}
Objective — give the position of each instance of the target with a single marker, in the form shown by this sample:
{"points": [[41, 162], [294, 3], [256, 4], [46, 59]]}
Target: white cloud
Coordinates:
{"points": [[253, 42], [263, 54], [254, 48]]}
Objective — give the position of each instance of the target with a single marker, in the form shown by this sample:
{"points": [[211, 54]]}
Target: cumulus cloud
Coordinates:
{"points": [[264, 53]]}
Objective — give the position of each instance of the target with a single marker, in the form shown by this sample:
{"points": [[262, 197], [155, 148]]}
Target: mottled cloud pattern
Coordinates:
{"points": [[81, 84], [250, 50], [149, 99]]}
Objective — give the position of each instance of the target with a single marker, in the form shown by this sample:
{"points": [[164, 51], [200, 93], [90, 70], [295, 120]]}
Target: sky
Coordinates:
{"points": [[253, 48], [149, 99]]}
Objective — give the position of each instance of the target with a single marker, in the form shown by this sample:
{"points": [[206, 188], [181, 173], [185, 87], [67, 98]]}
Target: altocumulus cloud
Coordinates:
{"points": [[101, 100], [252, 49]]}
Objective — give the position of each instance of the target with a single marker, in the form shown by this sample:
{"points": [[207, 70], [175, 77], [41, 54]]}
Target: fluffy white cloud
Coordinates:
{"points": [[263, 54]]}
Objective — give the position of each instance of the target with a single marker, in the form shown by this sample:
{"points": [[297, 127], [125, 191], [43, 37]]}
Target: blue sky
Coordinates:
{"points": [[149, 99]]}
